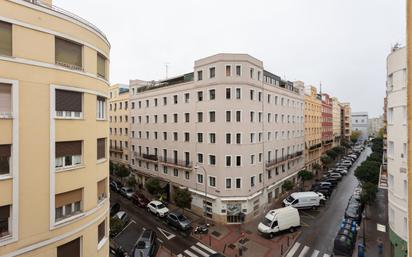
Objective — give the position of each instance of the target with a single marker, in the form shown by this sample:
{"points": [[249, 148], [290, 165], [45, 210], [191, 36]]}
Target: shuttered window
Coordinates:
{"points": [[101, 231], [69, 101], [68, 204], [68, 54], [5, 100], [101, 148], [5, 153], [70, 249], [5, 38], [4, 220], [101, 108], [69, 197], [101, 65], [101, 190], [68, 148]]}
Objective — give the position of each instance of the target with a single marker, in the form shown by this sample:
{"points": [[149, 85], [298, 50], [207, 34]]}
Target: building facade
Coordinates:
{"points": [[374, 125], [346, 121], [327, 122], [119, 124], [360, 124], [336, 121], [231, 132], [313, 127], [53, 143], [397, 151]]}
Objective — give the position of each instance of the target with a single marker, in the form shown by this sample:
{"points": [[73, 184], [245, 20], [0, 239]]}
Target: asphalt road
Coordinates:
{"points": [[320, 227], [141, 219]]}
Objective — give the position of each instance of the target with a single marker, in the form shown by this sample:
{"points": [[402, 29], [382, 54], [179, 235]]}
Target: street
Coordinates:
{"points": [[168, 237], [320, 227]]}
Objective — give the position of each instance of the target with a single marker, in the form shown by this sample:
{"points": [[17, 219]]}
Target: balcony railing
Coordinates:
{"points": [[314, 147], [67, 14], [280, 160], [116, 149], [166, 161]]}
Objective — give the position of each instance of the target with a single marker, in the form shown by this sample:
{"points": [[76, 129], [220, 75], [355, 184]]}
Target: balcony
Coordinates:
{"points": [[174, 163], [278, 161], [116, 149], [314, 147]]}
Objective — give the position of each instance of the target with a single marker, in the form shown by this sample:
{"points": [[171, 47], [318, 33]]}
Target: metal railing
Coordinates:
{"points": [[68, 14], [116, 149], [171, 161]]}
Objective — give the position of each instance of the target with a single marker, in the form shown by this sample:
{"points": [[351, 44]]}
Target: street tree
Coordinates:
{"points": [[355, 136], [326, 160], [122, 172], [131, 181], [332, 154], [316, 167], [182, 198], [368, 194], [305, 175], [153, 186], [287, 185]]}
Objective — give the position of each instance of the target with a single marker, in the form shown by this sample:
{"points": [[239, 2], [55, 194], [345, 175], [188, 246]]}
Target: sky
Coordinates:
{"points": [[341, 44]]}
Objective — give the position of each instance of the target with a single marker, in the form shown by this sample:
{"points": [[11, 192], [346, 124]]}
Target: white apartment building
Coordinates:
{"points": [[360, 123], [397, 150], [230, 131], [336, 120]]}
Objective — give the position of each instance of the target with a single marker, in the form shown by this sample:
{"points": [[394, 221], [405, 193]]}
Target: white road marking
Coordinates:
{"points": [[179, 255], [132, 221], [166, 233], [326, 255], [190, 253], [304, 251], [194, 248], [315, 253], [161, 241], [205, 247], [293, 250]]}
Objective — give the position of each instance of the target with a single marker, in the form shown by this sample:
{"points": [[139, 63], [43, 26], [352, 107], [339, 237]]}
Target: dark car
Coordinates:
{"points": [[139, 199], [114, 209], [353, 212], [115, 186], [342, 246], [217, 255], [178, 220], [325, 191], [146, 244], [333, 181], [348, 233]]}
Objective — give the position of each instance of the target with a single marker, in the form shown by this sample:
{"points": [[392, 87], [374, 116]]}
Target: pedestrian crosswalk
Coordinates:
{"points": [[300, 250], [197, 250]]}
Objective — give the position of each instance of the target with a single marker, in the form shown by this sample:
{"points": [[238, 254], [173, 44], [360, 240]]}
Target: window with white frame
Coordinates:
{"points": [[212, 181], [69, 104], [68, 154], [252, 181], [200, 178], [212, 160], [228, 183], [68, 204], [228, 161], [238, 183]]}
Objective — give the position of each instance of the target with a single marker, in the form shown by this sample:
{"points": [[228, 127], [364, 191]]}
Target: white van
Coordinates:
{"points": [[303, 200], [279, 220]]}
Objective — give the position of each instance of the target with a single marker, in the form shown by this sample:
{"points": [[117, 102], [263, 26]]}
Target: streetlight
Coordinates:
{"points": [[205, 181]]}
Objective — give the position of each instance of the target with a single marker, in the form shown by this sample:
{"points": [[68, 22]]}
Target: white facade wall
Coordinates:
{"points": [[397, 143], [360, 123], [266, 103]]}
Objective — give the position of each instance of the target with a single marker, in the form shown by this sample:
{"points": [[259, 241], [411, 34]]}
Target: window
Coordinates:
{"points": [[187, 137], [175, 99], [212, 138], [212, 160], [238, 138], [175, 137], [68, 104], [101, 148], [200, 158], [252, 94], [258, 75], [390, 115], [212, 94], [238, 161], [252, 159], [228, 93], [212, 116], [200, 178], [68, 54], [101, 65], [175, 172], [252, 181], [212, 181], [68, 154], [101, 190], [164, 135], [228, 183], [187, 97], [228, 138], [228, 71], [175, 117], [212, 72], [164, 118], [200, 137], [228, 116], [5, 38], [238, 70], [228, 161], [164, 100], [238, 116], [4, 220], [238, 182], [252, 71], [101, 231], [200, 117], [199, 75], [260, 96], [68, 204], [252, 116], [187, 117], [70, 249], [187, 175], [391, 146], [5, 154], [155, 102], [260, 177], [200, 96]]}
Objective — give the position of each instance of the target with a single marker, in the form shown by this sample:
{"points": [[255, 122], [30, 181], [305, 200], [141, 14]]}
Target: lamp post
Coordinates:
{"points": [[205, 181]]}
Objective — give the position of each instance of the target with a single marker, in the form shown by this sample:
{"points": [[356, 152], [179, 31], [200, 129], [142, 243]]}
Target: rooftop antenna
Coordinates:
{"points": [[167, 69]]}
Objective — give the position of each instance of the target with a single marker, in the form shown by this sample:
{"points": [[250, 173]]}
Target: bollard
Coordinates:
{"points": [[224, 248], [281, 249]]}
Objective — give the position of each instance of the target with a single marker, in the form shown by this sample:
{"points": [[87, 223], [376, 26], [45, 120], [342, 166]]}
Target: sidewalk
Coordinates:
{"points": [[375, 226]]}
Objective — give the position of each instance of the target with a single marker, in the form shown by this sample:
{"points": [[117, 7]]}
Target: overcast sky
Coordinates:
{"points": [[341, 43]]}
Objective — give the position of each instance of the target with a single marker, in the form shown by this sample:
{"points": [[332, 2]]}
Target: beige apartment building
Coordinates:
{"points": [[119, 124], [346, 121], [53, 143], [313, 127], [230, 131], [336, 120]]}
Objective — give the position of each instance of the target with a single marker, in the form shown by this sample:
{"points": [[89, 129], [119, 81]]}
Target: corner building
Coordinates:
{"points": [[53, 133], [231, 132]]}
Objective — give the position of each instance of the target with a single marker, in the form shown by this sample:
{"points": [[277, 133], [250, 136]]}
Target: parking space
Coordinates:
{"points": [[128, 236]]}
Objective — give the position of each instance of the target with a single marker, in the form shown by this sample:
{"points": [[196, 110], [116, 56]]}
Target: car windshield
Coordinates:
{"points": [[160, 206], [267, 222], [181, 218], [290, 199]]}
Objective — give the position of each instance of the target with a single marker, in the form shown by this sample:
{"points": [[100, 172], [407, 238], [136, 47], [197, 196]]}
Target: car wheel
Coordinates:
{"points": [[292, 229], [158, 215]]}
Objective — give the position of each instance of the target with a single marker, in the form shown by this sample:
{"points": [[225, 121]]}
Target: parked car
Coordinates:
{"points": [[347, 163], [342, 171], [347, 232], [353, 212], [178, 221], [323, 190], [115, 186], [127, 192], [139, 199], [279, 220], [217, 255], [342, 246], [302, 200], [146, 244], [157, 208], [333, 181], [123, 216], [114, 209], [336, 175]]}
